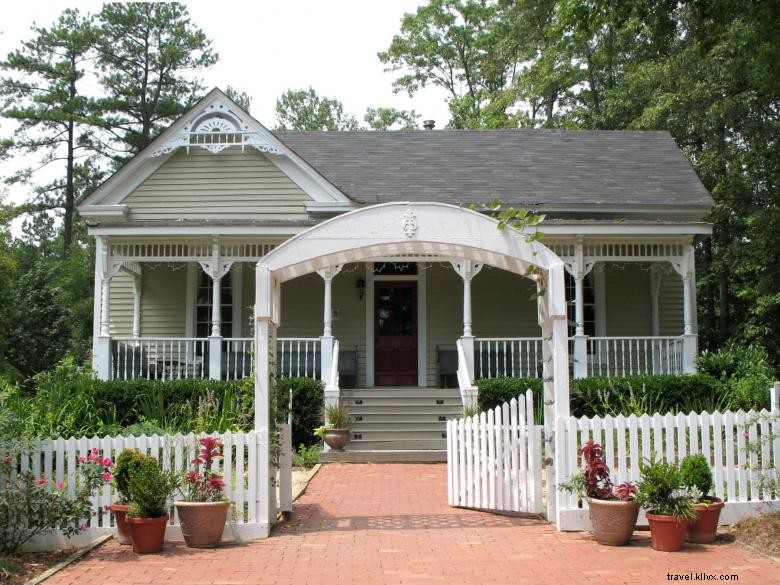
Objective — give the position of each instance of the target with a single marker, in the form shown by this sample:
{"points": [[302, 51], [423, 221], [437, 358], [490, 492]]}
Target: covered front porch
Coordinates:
{"points": [[182, 310]]}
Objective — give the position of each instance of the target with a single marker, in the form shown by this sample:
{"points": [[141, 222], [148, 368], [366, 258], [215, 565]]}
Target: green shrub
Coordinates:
{"points": [[150, 487], [696, 474], [660, 491], [745, 372], [599, 396], [495, 391], [306, 457], [307, 407], [121, 479]]}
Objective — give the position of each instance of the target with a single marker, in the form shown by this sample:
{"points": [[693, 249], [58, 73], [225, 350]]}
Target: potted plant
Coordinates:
{"points": [[203, 512], [335, 433], [122, 484], [151, 488], [613, 511], [697, 476], [669, 505]]}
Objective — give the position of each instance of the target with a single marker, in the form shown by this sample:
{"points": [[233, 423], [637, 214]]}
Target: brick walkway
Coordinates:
{"points": [[376, 524]]}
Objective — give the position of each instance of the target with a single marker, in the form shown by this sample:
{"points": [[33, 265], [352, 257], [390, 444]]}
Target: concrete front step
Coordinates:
{"points": [[368, 456], [398, 420]]}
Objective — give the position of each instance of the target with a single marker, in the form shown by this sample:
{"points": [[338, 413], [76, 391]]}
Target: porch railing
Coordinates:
{"points": [[521, 357], [159, 358], [182, 358], [517, 357], [631, 356]]}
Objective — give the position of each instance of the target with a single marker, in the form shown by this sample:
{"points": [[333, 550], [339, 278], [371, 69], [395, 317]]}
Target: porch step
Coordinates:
{"points": [[392, 421]]}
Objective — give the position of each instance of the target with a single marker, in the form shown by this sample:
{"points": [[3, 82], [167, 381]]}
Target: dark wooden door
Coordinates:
{"points": [[395, 330]]}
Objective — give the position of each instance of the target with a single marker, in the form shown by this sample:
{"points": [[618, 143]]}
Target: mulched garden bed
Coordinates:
{"points": [[760, 533], [31, 564]]}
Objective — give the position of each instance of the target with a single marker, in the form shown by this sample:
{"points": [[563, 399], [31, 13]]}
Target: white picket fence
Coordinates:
{"points": [[57, 460], [494, 459], [742, 448]]}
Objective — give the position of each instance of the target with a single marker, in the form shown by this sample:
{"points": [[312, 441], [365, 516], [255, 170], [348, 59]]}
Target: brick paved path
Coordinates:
{"points": [[377, 524]]}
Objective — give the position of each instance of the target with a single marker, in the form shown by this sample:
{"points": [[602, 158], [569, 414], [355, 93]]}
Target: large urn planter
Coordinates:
{"points": [[705, 528], [202, 523], [667, 533], [122, 529], [148, 534], [613, 521], [336, 438]]}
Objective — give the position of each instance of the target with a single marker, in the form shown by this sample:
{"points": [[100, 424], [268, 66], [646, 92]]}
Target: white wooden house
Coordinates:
{"points": [[182, 226]]}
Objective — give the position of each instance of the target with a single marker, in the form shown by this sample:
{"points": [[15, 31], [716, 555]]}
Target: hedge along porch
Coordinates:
{"points": [[433, 230]]}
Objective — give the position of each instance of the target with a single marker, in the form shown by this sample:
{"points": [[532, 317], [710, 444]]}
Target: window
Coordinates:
{"points": [[204, 302], [589, 304]]}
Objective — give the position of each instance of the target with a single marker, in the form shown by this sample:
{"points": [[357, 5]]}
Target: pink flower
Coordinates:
{"points": [[107, 462], [42, 480], [216, 482], [60, 486], [82, 460], [192, 477], [746, 434], [107, 476], [8, 460]]}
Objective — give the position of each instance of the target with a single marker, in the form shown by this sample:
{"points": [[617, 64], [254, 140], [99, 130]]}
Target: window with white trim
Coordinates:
{"points": [[588, 306], [204, 302]]}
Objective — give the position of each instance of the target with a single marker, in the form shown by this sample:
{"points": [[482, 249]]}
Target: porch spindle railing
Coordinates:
{"points": [[237, 357], [159, 358], [630, 356], [519, 357], [298, 356]]}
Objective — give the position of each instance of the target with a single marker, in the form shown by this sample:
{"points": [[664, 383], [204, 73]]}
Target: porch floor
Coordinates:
{"points": [[390, 524]]}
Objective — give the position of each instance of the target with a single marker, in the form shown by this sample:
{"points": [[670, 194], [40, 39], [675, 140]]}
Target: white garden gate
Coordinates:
{"points": [[494, 459]]}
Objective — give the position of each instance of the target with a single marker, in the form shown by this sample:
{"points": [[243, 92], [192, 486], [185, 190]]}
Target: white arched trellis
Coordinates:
{"points": [[419, 229]]}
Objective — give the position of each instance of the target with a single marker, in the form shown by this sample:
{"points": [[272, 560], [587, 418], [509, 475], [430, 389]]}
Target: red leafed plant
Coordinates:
{"points": [[594, 481], [201, 484]]}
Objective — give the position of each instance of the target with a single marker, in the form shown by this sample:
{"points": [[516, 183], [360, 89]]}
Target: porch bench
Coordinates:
{"points": [[131, 362], [348, 368], [447, 367], [299, 363]]}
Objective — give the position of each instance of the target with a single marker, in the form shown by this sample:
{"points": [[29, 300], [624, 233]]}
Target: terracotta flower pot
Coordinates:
{"points": [[202, 523], [148, 533], [667, 533], [336, 438], [705, 528], [122, 529], [613, 520]]}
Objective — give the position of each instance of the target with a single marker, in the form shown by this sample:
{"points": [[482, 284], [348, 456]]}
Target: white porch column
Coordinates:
{"points": [[552, 319], [579, 269], [326, 341], [216, 269], [467, 270], [104, 271], [137, 285], [266, 322], [687, 270]]}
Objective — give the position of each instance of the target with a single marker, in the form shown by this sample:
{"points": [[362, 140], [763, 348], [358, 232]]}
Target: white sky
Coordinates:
{"points": [[269, 46]]}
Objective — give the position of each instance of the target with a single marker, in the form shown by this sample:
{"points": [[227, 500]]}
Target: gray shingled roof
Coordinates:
{"points": [[529, 167]]}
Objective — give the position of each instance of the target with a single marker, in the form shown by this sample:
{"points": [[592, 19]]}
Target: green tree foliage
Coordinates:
{"points": [[390, 119], [457, 45], [42, 92], [706, 70], [149, 54], [304, 109]]}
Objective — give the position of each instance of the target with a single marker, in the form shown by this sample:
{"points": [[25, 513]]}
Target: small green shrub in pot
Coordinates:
{"points": [[151, 488], [696, 474], [668, 503]]}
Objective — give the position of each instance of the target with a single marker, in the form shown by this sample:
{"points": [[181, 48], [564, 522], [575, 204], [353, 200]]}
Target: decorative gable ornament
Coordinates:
{"points": [[409, 223], [215, 130]]}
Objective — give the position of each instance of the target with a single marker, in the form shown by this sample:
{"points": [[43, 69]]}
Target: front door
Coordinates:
{"points": [[395, 329]]}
